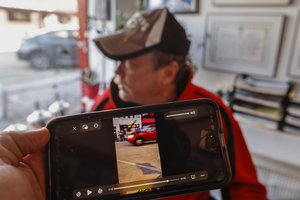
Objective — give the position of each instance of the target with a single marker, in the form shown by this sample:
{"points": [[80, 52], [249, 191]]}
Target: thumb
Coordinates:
{"points": [[15, 145]]}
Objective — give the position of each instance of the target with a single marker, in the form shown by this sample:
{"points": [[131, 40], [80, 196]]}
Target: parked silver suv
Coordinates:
{"points": [[54, 48]]}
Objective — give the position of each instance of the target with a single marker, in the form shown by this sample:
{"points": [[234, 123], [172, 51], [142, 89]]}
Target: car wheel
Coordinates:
{"points": [[139, 141], [39, 60]]}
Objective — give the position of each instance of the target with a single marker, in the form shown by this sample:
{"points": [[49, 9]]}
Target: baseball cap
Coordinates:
{"points": [[146, 30]]}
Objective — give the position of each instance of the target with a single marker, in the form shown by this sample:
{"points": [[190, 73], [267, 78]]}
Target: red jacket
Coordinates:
{"points": [[244, 184]]}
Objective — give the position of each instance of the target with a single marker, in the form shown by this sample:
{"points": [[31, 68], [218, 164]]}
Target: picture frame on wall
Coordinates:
{"points": [[251, 2], [243, 43], [174, 6], [294, 69]]}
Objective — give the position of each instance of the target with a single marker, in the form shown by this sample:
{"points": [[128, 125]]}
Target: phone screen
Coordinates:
{"points": [[141, 152]]}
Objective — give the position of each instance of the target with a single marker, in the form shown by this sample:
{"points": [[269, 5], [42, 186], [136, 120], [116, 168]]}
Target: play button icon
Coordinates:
{"points": [[88, 192]]}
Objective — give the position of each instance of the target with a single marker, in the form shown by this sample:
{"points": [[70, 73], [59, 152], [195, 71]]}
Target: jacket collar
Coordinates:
{"points": [[179, 92]]}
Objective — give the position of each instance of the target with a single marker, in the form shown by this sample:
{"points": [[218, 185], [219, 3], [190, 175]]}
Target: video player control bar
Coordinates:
{"points": [[140, 185]]}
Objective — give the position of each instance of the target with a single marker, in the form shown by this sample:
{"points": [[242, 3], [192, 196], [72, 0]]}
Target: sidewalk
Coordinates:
{"points": [[20, 92]]}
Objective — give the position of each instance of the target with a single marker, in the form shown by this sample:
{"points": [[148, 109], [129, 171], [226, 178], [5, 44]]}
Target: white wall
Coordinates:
{"points": [[195, 26]]}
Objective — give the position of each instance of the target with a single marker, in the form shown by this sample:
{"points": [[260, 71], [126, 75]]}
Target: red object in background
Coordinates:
{"points": [[148, 121], [148, 118], [90, 90], [83, 42], [87, 90]]}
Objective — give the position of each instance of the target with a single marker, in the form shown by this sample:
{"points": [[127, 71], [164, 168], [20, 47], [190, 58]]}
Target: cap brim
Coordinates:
{"points": [[117, 48]]}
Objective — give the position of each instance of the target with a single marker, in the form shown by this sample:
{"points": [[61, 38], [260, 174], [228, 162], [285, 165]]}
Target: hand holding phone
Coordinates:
{"points": [[143, 152]]}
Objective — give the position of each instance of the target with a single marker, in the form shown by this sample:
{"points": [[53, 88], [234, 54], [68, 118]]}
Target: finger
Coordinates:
{"points": [[15, 145]]}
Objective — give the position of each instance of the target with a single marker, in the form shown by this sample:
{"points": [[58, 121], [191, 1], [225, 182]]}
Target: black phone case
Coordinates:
{"points": [[50, 185]]}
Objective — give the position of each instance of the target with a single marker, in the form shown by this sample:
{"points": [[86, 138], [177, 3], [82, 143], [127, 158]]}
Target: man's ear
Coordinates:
{"points": [[169, 72]]}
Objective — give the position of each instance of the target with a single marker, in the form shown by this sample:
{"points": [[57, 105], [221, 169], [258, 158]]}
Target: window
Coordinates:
{"points": [[75, 35], [19, 15], [61, 34], [64, 19]]}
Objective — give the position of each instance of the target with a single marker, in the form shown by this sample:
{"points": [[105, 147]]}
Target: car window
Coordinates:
{"points": [[74, 35], [148, 128], [151, 128], [61, 34]]}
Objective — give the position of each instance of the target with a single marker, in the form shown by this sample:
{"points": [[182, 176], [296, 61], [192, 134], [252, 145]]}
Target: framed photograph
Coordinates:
{"points": [[243, 43], [175, 6], [250, 2], [294, 69]]}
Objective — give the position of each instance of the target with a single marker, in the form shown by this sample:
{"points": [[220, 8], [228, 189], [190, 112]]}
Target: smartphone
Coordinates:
{"points": [[144, 152]]}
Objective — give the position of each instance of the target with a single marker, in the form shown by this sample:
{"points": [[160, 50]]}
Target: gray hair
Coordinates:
{"points": [[160, 59]]}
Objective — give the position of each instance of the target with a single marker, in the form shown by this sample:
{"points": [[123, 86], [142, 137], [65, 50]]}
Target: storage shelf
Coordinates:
{"points": [[258, 101], [260, 98]]}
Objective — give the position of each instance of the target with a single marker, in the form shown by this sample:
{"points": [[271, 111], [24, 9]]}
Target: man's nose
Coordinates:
{"points": [[120, 68]]}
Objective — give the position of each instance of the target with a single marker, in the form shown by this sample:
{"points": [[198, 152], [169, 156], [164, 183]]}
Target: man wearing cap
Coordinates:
{"points": [[151, 52]]}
